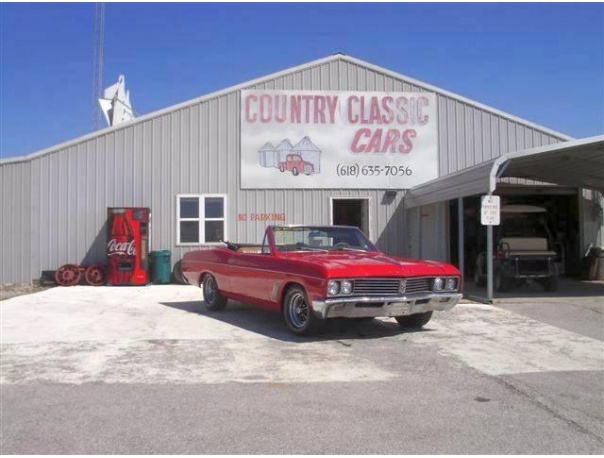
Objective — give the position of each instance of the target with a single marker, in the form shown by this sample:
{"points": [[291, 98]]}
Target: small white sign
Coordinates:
{"points": [[489, 210]]}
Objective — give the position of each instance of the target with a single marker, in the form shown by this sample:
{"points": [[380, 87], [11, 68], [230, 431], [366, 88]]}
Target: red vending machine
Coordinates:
{"points": [[128, 246]]}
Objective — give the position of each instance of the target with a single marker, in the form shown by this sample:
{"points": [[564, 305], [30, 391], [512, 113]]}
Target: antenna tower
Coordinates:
{"points": [[97, 70]]}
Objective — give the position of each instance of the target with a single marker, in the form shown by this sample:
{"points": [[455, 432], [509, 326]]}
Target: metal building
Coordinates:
{"points": [[205, 169]]}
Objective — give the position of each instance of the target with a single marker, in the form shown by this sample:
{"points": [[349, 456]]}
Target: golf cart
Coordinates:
{"points": [[523, 251]]}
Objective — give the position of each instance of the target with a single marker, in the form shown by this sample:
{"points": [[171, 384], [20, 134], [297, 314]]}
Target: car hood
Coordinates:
{"points": [[363, 264]]}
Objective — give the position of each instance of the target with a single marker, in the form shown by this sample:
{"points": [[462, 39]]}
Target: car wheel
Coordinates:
{"points": [[298, 313], [295, 171], [68, 275], [95, 275], [551, 284], [417, 320], [211, 294], [281, 169]]}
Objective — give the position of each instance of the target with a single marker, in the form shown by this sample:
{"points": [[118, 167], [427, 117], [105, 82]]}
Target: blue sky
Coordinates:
{"points": [[540, 62]]}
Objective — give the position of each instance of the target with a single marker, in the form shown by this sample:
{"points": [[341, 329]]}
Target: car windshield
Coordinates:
{"points": [[323, 238], [523, 225]]}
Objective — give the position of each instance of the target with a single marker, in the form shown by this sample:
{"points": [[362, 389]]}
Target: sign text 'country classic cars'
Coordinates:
{"points": [[333, 139]]}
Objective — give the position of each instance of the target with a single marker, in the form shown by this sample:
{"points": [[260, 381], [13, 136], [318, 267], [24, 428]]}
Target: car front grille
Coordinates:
{"points": [[419, 285], [391, 286], [377, 287]]}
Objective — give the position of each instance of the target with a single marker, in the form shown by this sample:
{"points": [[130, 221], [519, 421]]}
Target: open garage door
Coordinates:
{"points": [[576, 165]]}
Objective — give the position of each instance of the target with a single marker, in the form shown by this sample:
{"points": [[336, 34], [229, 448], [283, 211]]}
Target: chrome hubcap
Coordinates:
{"points": [[298, 310], [209, 290]]}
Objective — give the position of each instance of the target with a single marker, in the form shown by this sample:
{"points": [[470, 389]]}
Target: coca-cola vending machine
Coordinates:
{"points": [[128, 246]]}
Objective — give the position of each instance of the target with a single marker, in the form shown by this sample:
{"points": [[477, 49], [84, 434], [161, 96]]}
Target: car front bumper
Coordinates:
{"points": [[365, 307]]}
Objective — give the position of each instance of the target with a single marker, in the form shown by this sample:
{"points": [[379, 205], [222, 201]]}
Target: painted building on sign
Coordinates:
{"points": [[337, 140], [268, 156], [309, 152]]}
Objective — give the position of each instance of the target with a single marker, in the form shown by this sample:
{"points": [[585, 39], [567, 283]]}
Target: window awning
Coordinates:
{"points": [[576, 163]]}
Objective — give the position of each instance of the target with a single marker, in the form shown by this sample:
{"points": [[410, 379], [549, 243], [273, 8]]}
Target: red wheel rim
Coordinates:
{"points": [[95, 275], [68, 275]]}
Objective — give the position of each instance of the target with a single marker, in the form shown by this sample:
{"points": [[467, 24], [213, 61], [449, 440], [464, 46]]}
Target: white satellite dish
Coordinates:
{"points": [[116, 103]]}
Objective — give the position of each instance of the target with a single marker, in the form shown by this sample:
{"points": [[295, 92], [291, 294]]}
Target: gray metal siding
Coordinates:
{"points": [[14, 221], [54, 205]]}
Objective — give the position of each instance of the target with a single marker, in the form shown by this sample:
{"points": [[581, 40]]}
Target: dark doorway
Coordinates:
{"points": [[351, 212]]}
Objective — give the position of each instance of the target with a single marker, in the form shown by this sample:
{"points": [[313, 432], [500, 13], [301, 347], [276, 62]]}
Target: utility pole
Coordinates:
{"points": [[97, 66]]}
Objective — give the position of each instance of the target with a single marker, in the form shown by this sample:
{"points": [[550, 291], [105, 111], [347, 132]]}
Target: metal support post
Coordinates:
{"points": [[420, 249], [460, 237], [490, 263]]}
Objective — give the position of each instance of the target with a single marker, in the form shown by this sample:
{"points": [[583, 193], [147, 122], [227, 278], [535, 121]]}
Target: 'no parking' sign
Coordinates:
{"points": [[489, 210]]}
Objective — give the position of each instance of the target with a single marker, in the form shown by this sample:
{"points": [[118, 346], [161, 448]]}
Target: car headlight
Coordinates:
{"points": [[439, 283], [346, 287], [333, 288], [451, 284]]}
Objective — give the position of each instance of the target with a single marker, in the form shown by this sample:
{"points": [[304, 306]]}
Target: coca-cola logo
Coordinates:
{"points": [[115, 247]]}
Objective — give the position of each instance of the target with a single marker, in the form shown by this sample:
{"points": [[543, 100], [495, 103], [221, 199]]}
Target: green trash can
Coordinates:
{"points": [[160, 266]]}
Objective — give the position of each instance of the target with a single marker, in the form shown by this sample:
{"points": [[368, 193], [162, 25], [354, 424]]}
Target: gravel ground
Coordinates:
{"points": [[8, 290]]}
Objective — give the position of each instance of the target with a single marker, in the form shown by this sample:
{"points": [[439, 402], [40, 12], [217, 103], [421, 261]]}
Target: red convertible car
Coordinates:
{"points": [[314, 273]]}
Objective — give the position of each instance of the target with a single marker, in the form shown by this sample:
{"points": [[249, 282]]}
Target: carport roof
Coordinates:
{"points": [[576, 163]]}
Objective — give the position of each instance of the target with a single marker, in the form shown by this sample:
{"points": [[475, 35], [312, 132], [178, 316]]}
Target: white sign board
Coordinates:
{"points": [[490, 210], [337, 139]]}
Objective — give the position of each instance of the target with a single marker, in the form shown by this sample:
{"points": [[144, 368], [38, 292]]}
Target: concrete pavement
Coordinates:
{"points": [[160, 374]]}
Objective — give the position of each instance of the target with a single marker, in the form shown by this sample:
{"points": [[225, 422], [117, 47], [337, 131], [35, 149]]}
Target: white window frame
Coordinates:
{"points": [[201, 219]]}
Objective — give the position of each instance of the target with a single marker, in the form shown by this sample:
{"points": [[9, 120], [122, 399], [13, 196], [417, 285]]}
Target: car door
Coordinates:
{"points": [[252, 277]]}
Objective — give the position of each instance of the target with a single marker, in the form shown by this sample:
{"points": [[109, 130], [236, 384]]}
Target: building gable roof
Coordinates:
{"points": [[264, 79]]}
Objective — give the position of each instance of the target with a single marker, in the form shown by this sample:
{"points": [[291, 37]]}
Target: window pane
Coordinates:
{"points": [[214, 231], [214, 207], [189, 232], [189, 207]]}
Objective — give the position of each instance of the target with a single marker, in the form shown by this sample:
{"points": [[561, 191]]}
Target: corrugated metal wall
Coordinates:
{"points": [[16, 231], [54, 206]]}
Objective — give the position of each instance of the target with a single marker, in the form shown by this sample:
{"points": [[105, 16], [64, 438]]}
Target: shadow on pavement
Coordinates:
{"points": [[568, 288], [272, 325]]}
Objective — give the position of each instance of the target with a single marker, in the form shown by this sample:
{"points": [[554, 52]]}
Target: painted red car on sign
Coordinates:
{"points": [[314, 273], [295, 164]]}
